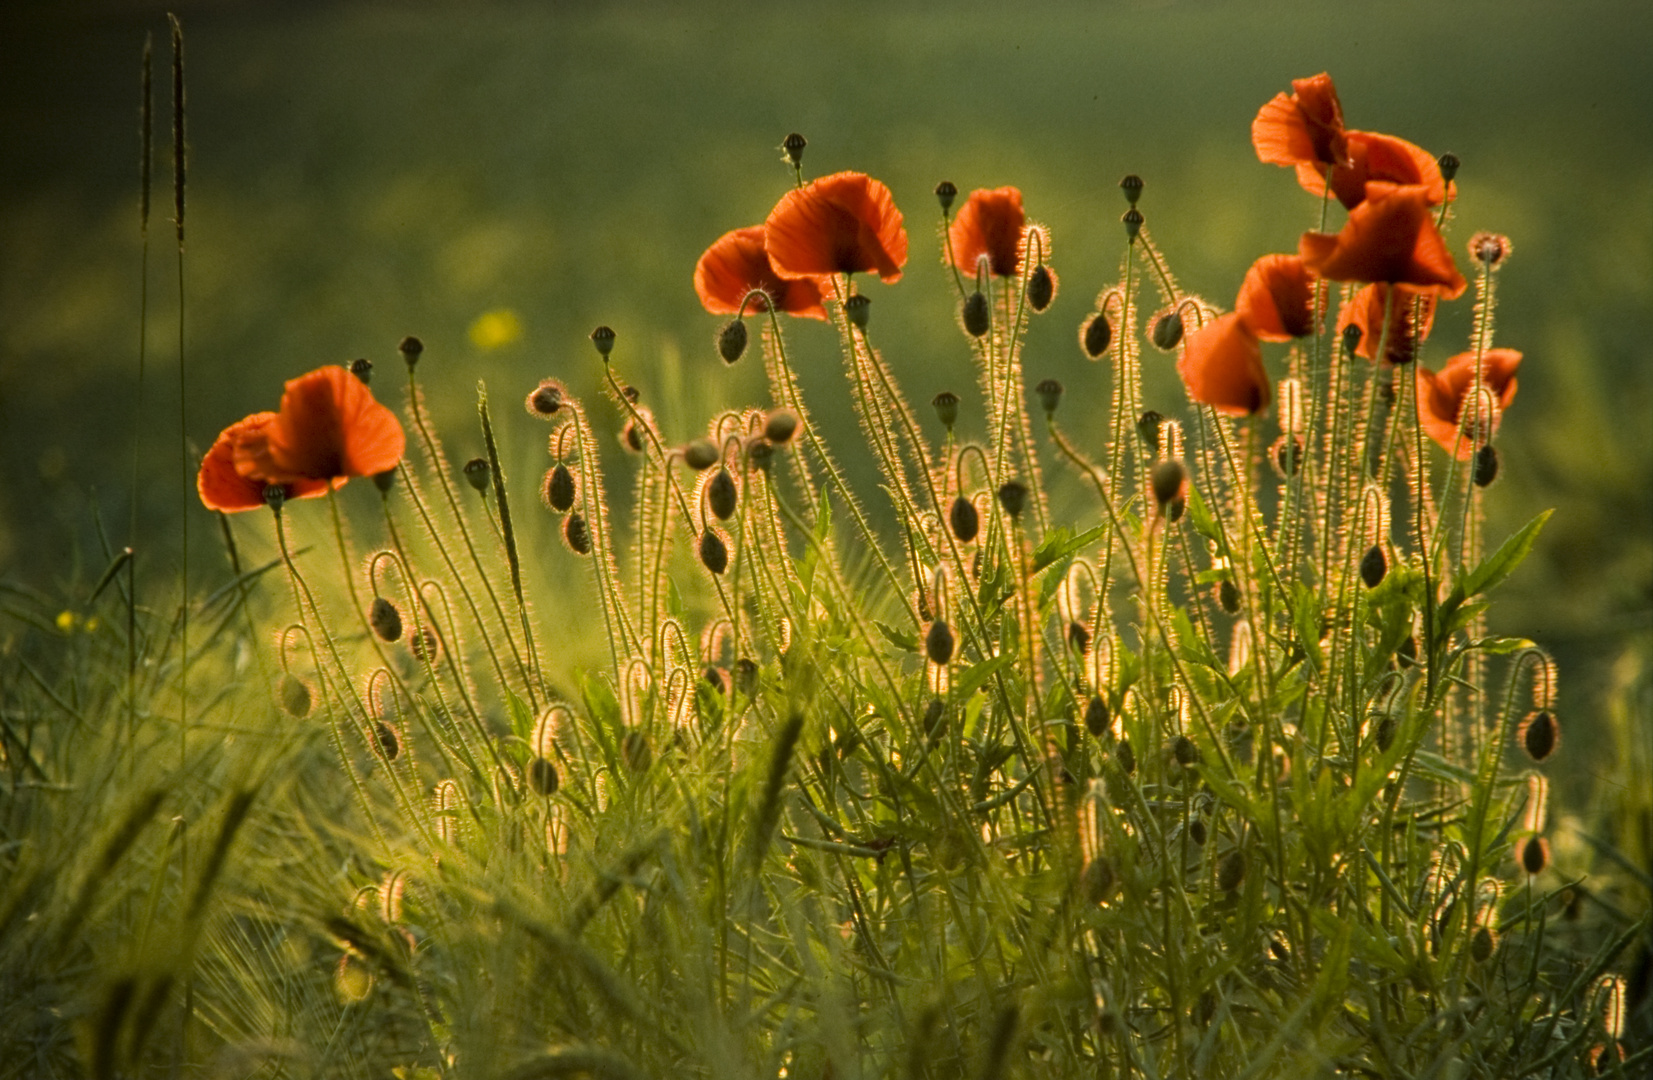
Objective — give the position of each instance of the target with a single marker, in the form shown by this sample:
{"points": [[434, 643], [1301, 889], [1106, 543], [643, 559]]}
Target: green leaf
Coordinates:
{"points": [[1061, 543], [1502, 563], [522, 721], [1200, 515], [976, 675], [903, 641], [1503, 646]]}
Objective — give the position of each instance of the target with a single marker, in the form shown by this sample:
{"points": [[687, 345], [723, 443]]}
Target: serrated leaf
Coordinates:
{"points": [[1061, 542], [903, 641], [1502, 563], [1199, 515], [977, 675], [522, 720]]}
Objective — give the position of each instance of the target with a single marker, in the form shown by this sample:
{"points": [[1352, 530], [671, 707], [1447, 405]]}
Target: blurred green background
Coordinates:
{"points": [[364, 170]]}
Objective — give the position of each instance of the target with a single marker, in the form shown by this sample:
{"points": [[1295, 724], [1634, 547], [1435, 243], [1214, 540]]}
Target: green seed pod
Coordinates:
{"points": [[946, 192], [731, 341], [1167, 331], [1097, 336], [1050, 395], [964, 520], [975, 314], [1133, 223], [700, 454], [1132, 187], [542, 777], [476, 474], [1041, 288], [946, 405], [857, 308], [938, 643], [1374, 566], [410, 347], [295, 696], [1167, 479], [362, 368], [1231, 870], [793, 146], [721, 494], [559, 488], [714, 553], [576, 534], [385, 620], [1098, 721], [603, 338]]}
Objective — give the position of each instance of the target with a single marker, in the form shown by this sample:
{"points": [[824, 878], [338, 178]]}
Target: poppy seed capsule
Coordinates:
{"points": [[1231, 870], [1098, 336], [1167, 331], [976, 320], [721, 494], [545, 400], [295, 696], [603, 338], [410, 347], [700, 454], [388, 743], [1013, 497], [274, 496], [1228, 597], [1050, 395], [1041, 288], [946, 405], [714, 553], [1486, 466], [963, 520], [946, 192], [385, 619], [1147, 429], [731, 341], [1351, 338], [779, 425], [1079, 638], [1098, 720], [1167, 479], [857, 308], [576, 534], [476, 474], [362, 368], [1374, 566], [1535, 855], [542, 777], [1133, 223], [938, 643], [559, 488], [1539, 735], [793, 146], [1131, 185], [1449, 164]]}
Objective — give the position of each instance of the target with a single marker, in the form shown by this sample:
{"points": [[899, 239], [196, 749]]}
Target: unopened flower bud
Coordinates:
{"points": [[1148, 428], [385, 619], [1097, 880], [1133, 223], [1041, 287], [542, 777], [938, 643], [721, 494], [779, 425], [857, 307], [1231, 870], [1167, 479], [935, 717], [793, 146], [576, 534], [731, 340], [946, 405], [476, 473], [1013, 497], [546, 399], [1287, 456], [559, 488], [976, 318], [424, 645], [362, 368], [1125, 756], [1097, 336], [1050, 395], [631, 437], [1384, 734], [714, 553], [1184, 751], [603, 338], [1449, 164], [410, 347], [1482, 944], [1374, 566], [964, 520], [1228, 596], [946, 192], [1079, 638], [384, 481], [1486, 465], [700, 454], [1539, 733], [760, 452], [1167, 331], [389, 744], [295, 696], [1535, 855], [635, 752], [1098, 720]]}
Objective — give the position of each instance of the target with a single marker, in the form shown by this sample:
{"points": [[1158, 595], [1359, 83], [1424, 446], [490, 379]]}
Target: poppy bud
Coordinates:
{"points": [[1126, 757], [476, 473], [976, 320], [410, 347], [1385, 734], [1013, 496], [542, 777], [856, 307], [635, 752], [385, 619], [760, 452], [731, 341], [1050, 395], [576, 534], [933, 717], [1351, 338], [1486, 466], [603, 338], [1535, 855], [1197, 831], [1184, 751], [779, 425], [559, 488], [1373, 566], [793, 145], [424, 645], [295, 696], [1147, 429], [1228, 596], [746, 675], [631, 437], [964, 520], [1098, 720], [362, 368], [1131, 185], [1539, 734], [1407, 654], [946, 405], [1167, 331], [384, 481], [1231, 870], [1167, 479], [1098, 336], [721, 494], [1079, 638], [1133, 223], [700, 454], [1287, 456], [938, 643], [545, 399], [714, 553], [1096, 880], [1449, 164], [716, 678], [1482, 944], [386, 735], [1041, 288]]}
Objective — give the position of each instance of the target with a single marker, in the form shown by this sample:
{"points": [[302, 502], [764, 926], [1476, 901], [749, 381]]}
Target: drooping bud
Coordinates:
{"points": [[1126, 757], [384, 481], [793, 147], [1098, 720], [1374, 566], [1287, 456], [424, 645], [476, 473], [1231, 870], [603, 338], [559, 488], [1486, 465], [1041, 287], [1050, 395], [731, 340], [295, 696], [1167, 479], [546, 399], [542, 777], [938, 643], [1097, 336], [1228, 596], [362, 368], [389, 744], [385, 619], [1384, 736], [779, 425], [699, 454], [576, 534], [1131, 185], [935, 716], [1147, 429], [1167, 331], [1079, 638], [1351, 338], [760, 452], [1133, 223], [964, 520], [946, 405], [946, 192], [631, 436], [721, 494], [975, 314], [1539, 735], [635, 752], [857, 308], [1184, 751], [1535, 855], [1482, 944], [410, 347], [1449, 164], [1013, 497], [714, 553]]}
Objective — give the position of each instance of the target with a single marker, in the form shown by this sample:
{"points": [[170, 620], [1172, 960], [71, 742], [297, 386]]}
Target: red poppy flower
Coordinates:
{"points": [[1222, 366], [736, 263], [329, 426], [845, 223], [1411, 317], [1390, 237], [1304, 128], [222, 488], [989, 223], [1275, 298], [1442, 397], [1373, 156]]}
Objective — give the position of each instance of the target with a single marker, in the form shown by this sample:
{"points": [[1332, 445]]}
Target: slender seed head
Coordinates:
{"points": [[1041, 288], [721, 494], [362, 368], [559, 488], [946, 405], [1374, 566], [476, 473], [1291, 406], [1097, 336], [1050, 395], [385, 619], [1013, 497], [946, 192], [1131, 185], [857, 308], [793, 147], [938, 643], [576, 534], [411, 348], [964, 520], [975, 314], [731, 341]]}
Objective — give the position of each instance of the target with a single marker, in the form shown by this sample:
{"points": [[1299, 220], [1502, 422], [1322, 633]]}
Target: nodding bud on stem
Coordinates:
{"points": [[975, 314], [388, 742], [963, 519], [1287, 456], [1539, 735], [946, 192], [793, 147], [1374, 566], [1486, 466], [546, 399], [1131, 185], [779, 425], [1041, 287], [1167, 479], [295, 696], [1013, 497], [857, 308], [938, 643], [1050, 395], [410, 347], [1231, 870], [385, 619], [1228, 596], [603, 338], [576, 534], [721, 494], [362, 368], [1351, 338], [1098, 719], [559, 488], [1535, 855], [542, 777], [1449, 164], [1097, 880], [1167, 331], [1097, 336], [714, 553], [384, 481], [731, 341], [476, 473], [760, 452], [946, 405], [1133, 223], [1079, 638], [699, 454], [1147, 429]]}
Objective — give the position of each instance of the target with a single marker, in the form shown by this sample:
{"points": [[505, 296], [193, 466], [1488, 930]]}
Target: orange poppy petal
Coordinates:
{"points": [[1411, 318], [329, 426], [222, 487], [1275, 298], [736, 263], [1390, 237], [845, 223], [1306, 127], [1375, 156], [1222, 366], [989, 224], [1441, 397]]}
